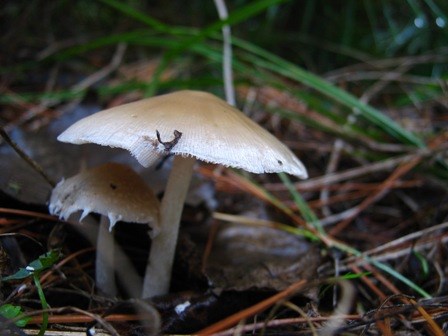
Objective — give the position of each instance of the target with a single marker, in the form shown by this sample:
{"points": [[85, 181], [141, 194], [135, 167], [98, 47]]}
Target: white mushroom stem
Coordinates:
{"points": [[105, 265], [126, 273], [160, 262]]}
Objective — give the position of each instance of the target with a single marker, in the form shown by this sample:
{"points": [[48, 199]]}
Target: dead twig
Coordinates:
{"points": [[78, 87], [384, 187], [25, 157], [364, 170], [28, 213], [92, 316]]}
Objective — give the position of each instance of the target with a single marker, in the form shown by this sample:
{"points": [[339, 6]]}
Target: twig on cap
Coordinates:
{"points": [[169, 144]]}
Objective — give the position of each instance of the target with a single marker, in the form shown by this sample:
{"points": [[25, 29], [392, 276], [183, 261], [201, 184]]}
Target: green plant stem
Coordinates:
{"points": [[44, 303]]}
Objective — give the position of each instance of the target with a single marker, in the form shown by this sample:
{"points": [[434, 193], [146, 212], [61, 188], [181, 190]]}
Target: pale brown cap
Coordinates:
{"points": [[212, 131], [113, 190]]}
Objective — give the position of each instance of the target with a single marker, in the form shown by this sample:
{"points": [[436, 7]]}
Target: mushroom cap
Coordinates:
{"points": [[113, 190], [212, 131]]}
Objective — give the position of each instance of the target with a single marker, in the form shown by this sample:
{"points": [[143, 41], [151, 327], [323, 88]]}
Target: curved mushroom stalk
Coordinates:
{"points": [[158, 271]]}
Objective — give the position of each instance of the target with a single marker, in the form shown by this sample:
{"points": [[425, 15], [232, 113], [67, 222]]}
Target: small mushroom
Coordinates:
{"points": [[115, 192], [191, 125]]}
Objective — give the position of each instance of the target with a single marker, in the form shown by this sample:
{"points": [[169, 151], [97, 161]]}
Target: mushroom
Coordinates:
{"points": [[115, 192], [191, 125]]}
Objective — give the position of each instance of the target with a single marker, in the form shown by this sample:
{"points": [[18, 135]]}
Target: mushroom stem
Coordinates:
{"points": [[126, 273], [160, 262], [104, 265]]}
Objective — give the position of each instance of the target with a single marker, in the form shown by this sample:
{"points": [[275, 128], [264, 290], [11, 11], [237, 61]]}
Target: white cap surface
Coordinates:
{"points": [[212, 131], [113, 190]]}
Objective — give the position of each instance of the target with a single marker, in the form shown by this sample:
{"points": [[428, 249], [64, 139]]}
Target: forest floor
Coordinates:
{"points": [[358, 248]]}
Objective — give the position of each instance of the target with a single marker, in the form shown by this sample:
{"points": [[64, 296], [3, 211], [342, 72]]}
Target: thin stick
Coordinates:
{"points": [[80, 318], [25, 157], [384, 187], [342, 309], [81, 86], [364, 170], [432, 325], [331, 168], [29, 214]]}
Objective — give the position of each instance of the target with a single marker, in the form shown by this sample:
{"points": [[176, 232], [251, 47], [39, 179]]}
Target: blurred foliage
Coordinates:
{"points": [[320, 35], [352, 45]]}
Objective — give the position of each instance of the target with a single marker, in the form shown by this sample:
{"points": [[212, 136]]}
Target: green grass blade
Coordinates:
{"points": [[238, 15], [306, 211], [142, 17], [44, 304], [398, 276], [264, 59]]}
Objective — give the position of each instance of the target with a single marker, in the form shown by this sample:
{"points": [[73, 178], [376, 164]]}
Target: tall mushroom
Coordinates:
{"points": [[191, 125], [115, 192]]}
